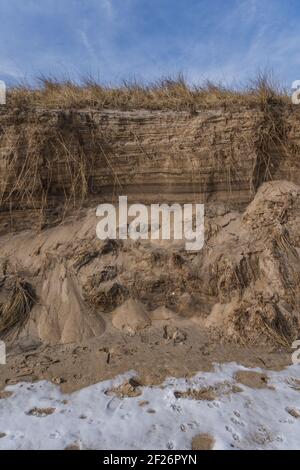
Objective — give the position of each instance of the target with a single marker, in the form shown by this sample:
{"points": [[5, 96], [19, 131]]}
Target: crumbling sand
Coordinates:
{"points": [[157, 301]]}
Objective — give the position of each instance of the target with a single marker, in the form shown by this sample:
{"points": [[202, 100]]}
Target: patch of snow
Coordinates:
{"points": [[91, 419]]}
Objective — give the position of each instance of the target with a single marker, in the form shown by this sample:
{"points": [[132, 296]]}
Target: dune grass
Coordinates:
{"points": [[16, 305], [164, 94]]}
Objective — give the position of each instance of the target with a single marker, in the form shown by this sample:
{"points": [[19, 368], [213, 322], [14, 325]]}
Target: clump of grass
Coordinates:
{"points": [[37, 153], [16, 301], [164, 94]]}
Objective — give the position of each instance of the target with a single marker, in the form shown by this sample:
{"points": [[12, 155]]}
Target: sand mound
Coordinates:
{"points": [[162, 313], [63, 316], [130, 317]]}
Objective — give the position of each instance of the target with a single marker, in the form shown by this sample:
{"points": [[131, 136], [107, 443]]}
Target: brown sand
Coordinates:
{"points": [[203, 442], [84, 310], [252, 379]]}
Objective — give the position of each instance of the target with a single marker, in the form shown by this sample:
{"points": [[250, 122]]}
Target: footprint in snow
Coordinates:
{"points": [[234, 435], [113, 404]]}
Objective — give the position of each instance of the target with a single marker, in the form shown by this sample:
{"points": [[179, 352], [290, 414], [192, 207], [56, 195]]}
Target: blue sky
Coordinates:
{"points": [[227, 40]]}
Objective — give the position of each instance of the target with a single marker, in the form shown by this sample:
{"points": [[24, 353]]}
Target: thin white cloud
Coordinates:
{"points": [[136, 38], [108, 7]]}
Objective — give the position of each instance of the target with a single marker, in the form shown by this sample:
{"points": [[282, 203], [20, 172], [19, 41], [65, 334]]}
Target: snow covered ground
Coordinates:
{"points": [[39, 416]]}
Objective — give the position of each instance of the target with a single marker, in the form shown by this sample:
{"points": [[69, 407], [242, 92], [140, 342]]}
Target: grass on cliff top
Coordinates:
{"points": [[165, 94]]}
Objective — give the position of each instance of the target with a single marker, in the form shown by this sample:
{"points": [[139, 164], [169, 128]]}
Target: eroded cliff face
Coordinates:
{"points": [[54, 161], [61, 284]]}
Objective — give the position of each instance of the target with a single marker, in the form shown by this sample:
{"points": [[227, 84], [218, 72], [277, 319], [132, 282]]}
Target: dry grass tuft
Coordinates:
{"points": [[164, 94], [38, 153], [16, 300]]}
